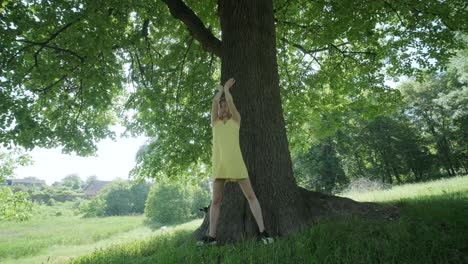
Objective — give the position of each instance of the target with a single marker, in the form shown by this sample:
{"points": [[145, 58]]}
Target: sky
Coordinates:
{"points": [[114, 159]]}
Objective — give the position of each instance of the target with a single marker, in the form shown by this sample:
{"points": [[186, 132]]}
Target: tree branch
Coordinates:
{"points": [[304, 50], [80, 94], [44, 45], [396, 12], [181, 11], [330, 47], [48, 87], [63, 78], [310, 28], [417, 11]]}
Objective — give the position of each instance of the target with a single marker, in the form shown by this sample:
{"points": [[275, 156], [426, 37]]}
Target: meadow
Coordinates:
{"points": [[55, 234], [432, 228]]}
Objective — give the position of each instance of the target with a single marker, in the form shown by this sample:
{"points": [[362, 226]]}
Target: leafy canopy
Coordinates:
{"points": [[70, 69]]}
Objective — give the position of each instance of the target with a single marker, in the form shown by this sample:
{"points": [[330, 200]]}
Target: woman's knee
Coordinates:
{"points": [[218, 186], [251, 197]]}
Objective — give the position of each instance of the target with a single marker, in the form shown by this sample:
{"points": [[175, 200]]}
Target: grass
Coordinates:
{"points": [[417, 190], [62, 253], [47, 229], [432, 228], [56, 234]]}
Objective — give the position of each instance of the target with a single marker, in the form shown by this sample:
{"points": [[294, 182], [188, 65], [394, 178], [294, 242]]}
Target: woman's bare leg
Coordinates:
{"points": [[253, 202], [218, 186]]}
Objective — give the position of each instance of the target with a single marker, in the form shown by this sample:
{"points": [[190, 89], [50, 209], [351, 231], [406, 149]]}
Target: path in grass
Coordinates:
{"points": [[63, 253]]}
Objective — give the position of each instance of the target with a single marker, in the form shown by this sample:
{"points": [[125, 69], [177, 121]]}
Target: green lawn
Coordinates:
{"points": [[55, 234], [433, 228], [46, 230], [418, 190]]}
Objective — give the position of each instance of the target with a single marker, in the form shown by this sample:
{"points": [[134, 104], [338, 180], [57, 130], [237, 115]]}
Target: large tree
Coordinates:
{"points": [[70, 68]]}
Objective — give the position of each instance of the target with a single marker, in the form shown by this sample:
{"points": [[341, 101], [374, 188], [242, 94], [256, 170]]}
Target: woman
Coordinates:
{"points": [[228, 164]]}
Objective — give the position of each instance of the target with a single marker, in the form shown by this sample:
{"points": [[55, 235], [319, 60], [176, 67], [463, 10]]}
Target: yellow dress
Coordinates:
{"points": [[227, 160]]}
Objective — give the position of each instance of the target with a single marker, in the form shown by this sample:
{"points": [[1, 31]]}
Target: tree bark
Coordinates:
{"points": [[249, 55]]}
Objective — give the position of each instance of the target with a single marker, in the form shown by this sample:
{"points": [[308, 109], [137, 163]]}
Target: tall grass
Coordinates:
{"points": [[432, 229], [62, 253], [47, 229], [432, 188]]}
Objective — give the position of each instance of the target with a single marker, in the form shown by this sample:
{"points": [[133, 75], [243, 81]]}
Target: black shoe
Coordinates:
{"points": [[206, 240], [265, 238]]}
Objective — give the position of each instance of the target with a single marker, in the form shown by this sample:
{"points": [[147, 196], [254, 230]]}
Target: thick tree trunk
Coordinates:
{"points": [[249, 55]]}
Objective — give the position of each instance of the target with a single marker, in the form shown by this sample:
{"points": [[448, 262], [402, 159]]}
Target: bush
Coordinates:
{"points": [[51, 202], [77, 203], [14, 206], [174, 203], [118, 201], [93, 208], [59, 194], [201, 198], [139, 193], [118, 198]]}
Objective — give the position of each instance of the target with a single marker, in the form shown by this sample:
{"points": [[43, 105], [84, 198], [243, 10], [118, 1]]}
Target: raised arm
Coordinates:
{"points": [[214, 105], [230, 101]]}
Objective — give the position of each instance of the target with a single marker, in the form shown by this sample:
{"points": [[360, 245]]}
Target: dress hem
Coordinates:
{"points": [[230, 179]]}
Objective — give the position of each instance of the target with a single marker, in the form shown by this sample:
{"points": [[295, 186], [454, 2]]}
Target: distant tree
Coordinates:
{"points": [[438, 107], [170, 203], [396, 149], [139, 194], [10, 160], [118, 201], [72, 181], [118, 198], [13, 205], [89, 181], [320, 168], [93, 208]]}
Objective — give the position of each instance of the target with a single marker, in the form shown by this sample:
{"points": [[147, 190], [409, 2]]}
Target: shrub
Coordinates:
{"points": [[93, 208], [118, 198], [118, 201], [172, 203], [59, 194], [51, 202], [77, 203], [201, 198], [14, 206], [139, 193]]}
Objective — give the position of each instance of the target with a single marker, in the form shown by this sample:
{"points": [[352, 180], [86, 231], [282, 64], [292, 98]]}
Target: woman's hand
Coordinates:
{"points": [[229, 83], [219, 93]]}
